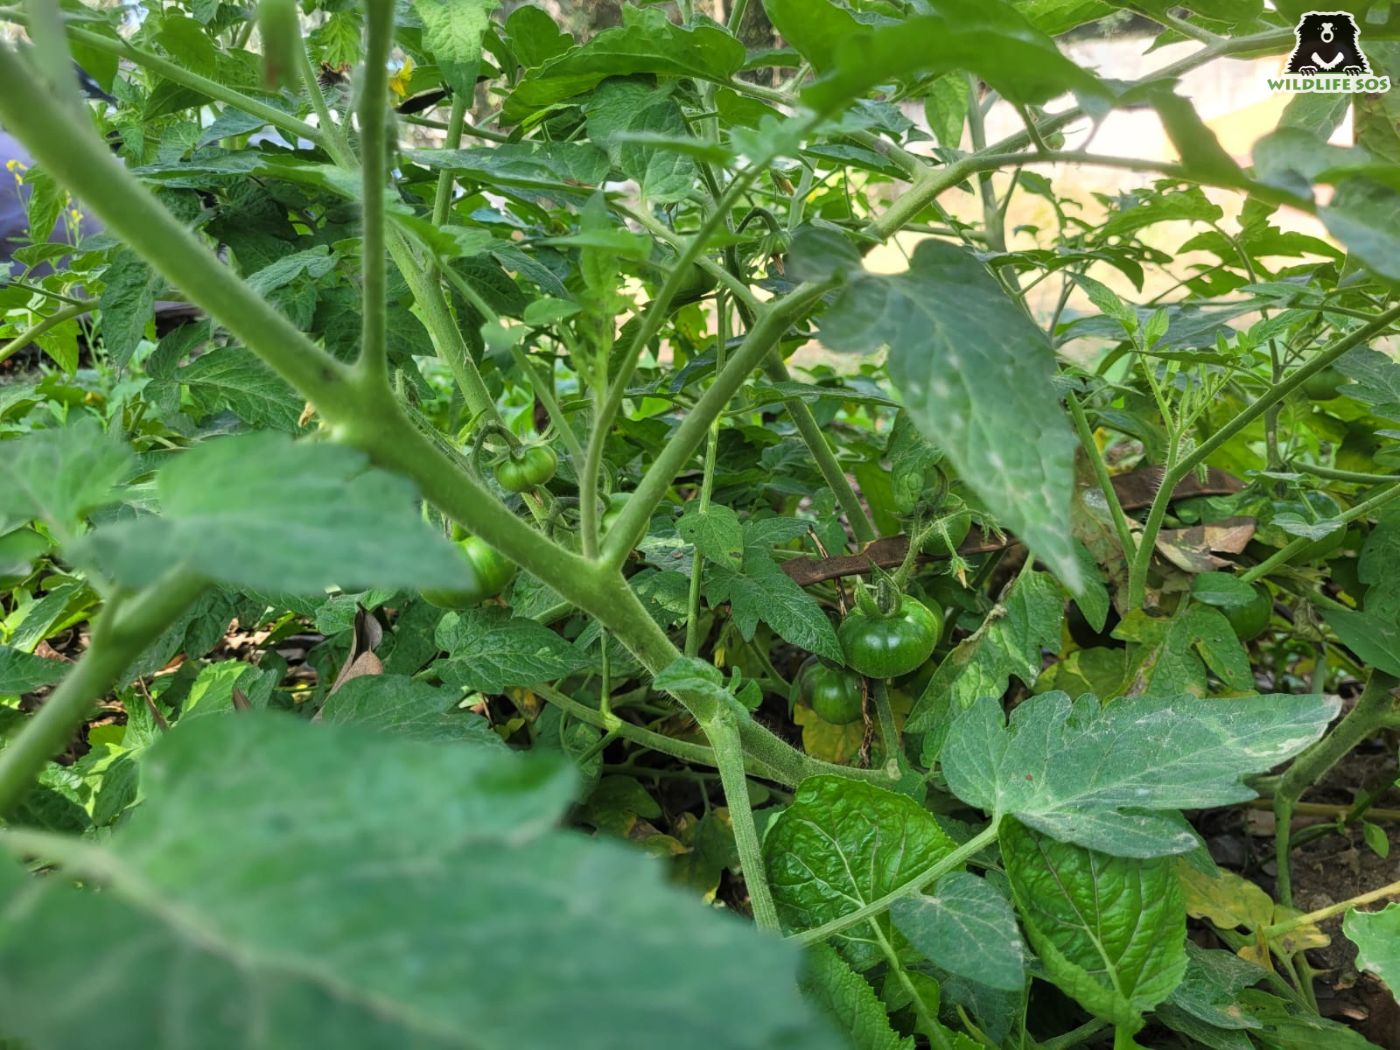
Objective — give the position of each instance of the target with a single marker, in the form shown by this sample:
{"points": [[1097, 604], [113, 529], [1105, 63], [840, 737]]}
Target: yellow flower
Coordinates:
{"points": [[398, 83]]}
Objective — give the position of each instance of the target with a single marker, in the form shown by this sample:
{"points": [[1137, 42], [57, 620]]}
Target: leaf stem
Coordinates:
{"points": [[761, 339], [456, 120], [729, 759], [120, 633], [81, 161], [1356, 477], [1322, 914], [707, 484], [205, 86], [652, 320], [937, 1037], [332, 136]]}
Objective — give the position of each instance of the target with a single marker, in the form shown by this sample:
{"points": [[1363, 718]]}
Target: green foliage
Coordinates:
{"points": [[426, 565]]}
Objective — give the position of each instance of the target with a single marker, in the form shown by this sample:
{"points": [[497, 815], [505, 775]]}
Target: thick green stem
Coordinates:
{"points": [[1175, 473], [1292, 549], [120, 634], [46, 324], [729, 758], [955, 859], [374, 163], [1375, 709]]}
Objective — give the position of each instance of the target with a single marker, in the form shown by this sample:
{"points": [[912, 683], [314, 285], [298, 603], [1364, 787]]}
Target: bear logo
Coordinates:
{"points": [[1327, 43]]}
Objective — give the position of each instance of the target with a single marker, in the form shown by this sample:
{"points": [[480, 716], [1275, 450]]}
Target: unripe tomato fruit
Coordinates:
{"points": [[957, 523], [532, 466], [879, 646], [616, 501], [490, 572], [1325, 385], [1252, 620], [834, 693]]}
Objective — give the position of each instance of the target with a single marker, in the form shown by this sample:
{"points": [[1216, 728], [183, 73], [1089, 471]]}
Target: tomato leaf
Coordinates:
{"points": [[489, 649], [1376, 935], [843, 844], [977, 378], [59, 475], [847, 998], [452, 32], [254, 881], [1108, 929], [259, 511], [966, 927], [1100, 775]]}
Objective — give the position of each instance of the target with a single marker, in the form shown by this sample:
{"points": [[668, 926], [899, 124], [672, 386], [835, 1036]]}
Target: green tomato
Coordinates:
{"points": [[18, 551], [616, 501], [889, 646], [957, 522], [834, 693], [527, 468], [696, 284], [540, 463], [490, 571], [1252, 620], [1324, 386]]}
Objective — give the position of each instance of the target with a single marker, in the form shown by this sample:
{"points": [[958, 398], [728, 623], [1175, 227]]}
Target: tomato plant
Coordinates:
{"points": [[447, 449]]}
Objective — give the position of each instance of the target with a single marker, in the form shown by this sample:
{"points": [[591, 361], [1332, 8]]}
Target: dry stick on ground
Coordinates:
{"points": [[1135, 491]]}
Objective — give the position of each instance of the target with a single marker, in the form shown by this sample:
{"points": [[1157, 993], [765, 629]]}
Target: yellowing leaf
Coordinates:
{"points": [[1225, 899]]}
